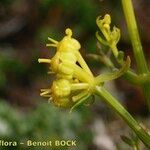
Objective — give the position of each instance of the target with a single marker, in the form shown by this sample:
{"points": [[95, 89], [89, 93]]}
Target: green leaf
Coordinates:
{"points": [[81, 101], [114, 75]]}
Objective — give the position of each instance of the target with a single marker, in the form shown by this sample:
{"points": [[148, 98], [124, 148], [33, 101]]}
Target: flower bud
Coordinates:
{"points": [[68, 43], [61, 88]]}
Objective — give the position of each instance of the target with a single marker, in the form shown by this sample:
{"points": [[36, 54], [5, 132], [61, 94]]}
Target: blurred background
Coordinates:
{"points": [[24, 28]]}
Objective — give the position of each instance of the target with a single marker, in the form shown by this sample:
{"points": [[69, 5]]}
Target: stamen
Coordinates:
{"points": [[51, 45], [50, 99], [43, 60], [43, 90], [45, 93], [50, 72], [52, 40]]}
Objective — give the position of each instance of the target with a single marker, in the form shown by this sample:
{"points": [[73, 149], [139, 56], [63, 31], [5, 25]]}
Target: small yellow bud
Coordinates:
{"points": [[107, 19], [61, 88], [68, 43], [106, 26], [60, 93], [111, 37]]}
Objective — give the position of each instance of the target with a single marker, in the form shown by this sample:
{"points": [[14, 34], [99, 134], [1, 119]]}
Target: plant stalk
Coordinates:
{"points": [[124, 114], [136, 44], [134, 36]]}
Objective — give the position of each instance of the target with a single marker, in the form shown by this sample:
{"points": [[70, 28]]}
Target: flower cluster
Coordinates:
{"points": [[111, 37], [71, 79], [74, 82]]}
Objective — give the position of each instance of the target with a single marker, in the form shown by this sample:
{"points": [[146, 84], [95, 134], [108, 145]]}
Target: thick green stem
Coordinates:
{"points": [[133, 78], [120, 110], [134, 36], [136, 43]]}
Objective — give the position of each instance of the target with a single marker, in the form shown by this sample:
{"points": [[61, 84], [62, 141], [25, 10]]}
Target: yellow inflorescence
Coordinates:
{"points": [[111, 36], [70, 77], [74, 81]]}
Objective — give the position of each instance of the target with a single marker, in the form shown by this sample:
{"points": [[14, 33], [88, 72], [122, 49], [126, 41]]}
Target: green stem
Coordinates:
{"points": [[136, 43], [120, 110], [134, 36], [133, 78], [136, 147]]}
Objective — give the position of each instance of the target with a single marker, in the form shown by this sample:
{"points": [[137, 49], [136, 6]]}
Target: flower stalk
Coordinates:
{"points": [[121, 111], [137, 46]]}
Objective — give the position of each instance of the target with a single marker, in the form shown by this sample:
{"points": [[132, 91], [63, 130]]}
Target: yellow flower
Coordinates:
{"points": [[74, 82], [111, 37], [67, 53], [63, 93], [68, 44]]}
